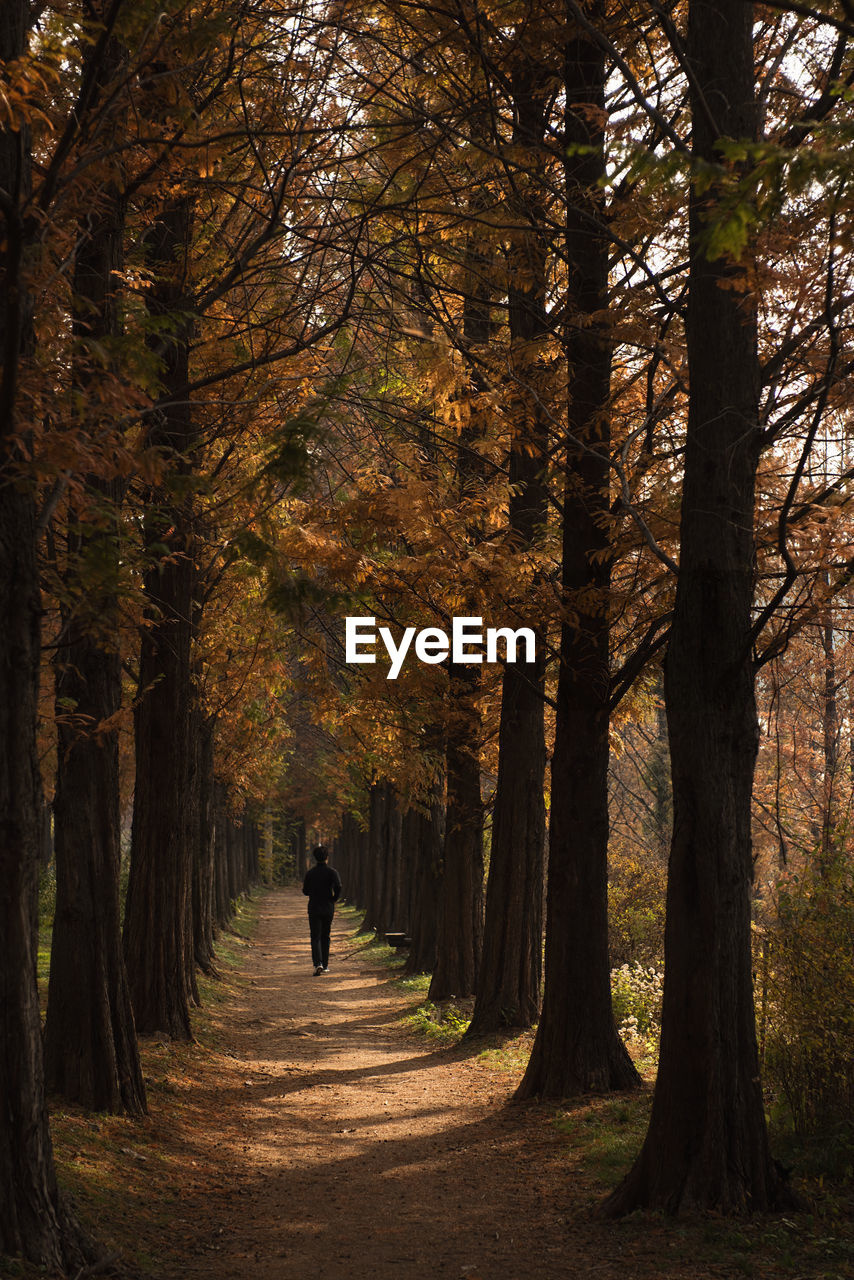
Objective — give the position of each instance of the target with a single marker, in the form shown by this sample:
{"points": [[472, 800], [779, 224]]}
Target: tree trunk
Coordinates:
{"points": [[508, 987], [157, 913], [34, 1222], [707, 1147], [33, 1218], [830, 748], [390, 896], [373, 879], [220, 889], [460, 925], [91, 1054], [203, 844], [352, 860], [577, 1047], [459, 938], [428, 840]]}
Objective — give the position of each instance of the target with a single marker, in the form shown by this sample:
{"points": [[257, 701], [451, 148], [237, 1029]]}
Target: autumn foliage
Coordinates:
{"points": [[534, 312]]}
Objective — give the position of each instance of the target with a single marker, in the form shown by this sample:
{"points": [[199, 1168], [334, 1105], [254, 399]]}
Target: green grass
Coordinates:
{"points": [[418, 983], [445, 1023], [509, 1053], [604, 1135], [370, 946]]}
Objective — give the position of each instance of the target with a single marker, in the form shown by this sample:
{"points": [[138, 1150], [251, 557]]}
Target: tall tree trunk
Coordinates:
{"points": [[429, 839], [659, 825], [91, 1054], [460, 922], [508, 986], [202, 730], [707, 1147], [352, 858], [34, 1221], [459, 939], [221, 904], [577, 1047], [376, 835], [157, 913], [390, 897]]}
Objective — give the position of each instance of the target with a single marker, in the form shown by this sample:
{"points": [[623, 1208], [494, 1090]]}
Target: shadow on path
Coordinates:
{"points": [[342, 1147]]}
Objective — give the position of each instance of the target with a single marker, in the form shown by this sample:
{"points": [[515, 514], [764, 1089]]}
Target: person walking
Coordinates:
{"points": [[322, 887]]}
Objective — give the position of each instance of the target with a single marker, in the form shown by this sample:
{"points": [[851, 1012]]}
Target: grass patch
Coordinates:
{"points": [[43, 970], [417, 983], [605, 1135], [509, 1054], [444, 1023], [370, 946]]}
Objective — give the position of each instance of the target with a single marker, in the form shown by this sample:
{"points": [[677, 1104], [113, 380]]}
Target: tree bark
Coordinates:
{"points": [[391, 890], [157, 913], [34, 1221], [707, 1146], [460, 924], [203, 844], [577, 1047], [459, 937], [91, 1054], [427, 878], [221, 904], [830, 725], [376, 836], [352, 858], [509, 978]]}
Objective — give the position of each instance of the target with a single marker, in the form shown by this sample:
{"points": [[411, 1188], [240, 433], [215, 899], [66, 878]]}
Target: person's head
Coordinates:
{"points": [[321, 853]]}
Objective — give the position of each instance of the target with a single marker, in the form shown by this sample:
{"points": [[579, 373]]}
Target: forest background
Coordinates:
{"points": [[532, 311]]}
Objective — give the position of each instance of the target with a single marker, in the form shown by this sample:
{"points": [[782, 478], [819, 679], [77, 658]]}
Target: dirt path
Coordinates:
{"points": [[341, 1146]]}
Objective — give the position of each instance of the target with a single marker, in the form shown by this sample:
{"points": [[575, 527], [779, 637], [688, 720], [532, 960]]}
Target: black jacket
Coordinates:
{"points": [[322, 886]]}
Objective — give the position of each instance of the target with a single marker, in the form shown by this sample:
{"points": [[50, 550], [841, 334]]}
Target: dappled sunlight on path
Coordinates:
{"points": [[343, 1147]]}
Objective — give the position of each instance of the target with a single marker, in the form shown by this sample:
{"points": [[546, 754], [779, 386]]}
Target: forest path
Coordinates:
{"points": [[341, 1146]]}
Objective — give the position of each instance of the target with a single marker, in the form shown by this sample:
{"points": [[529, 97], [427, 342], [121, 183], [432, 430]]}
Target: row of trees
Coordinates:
{"points": [[152, 344], [619, 350], [530, 311]]}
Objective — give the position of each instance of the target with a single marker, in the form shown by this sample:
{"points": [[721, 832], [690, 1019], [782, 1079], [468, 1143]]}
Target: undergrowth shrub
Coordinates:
{"points": [[805, 992], [637, 888], [636, 995], [47, 895], [445, 1023]]}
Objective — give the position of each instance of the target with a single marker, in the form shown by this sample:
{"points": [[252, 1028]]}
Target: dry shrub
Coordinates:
{"points": [[806, 996]]}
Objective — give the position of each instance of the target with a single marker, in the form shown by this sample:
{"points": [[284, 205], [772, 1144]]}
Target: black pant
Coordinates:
{"points": [[319, 926]]}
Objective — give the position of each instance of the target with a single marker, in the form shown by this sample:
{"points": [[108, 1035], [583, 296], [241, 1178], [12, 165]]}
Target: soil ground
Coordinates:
{"points": [[312, 1134], [345, 1146]]}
